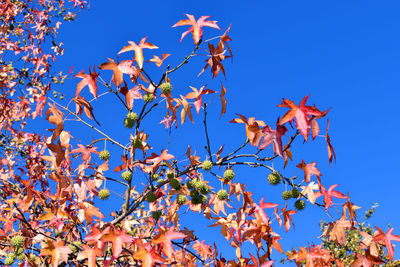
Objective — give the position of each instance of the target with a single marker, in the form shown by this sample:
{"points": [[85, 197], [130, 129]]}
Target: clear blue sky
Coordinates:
{"points": [[344, 53]]}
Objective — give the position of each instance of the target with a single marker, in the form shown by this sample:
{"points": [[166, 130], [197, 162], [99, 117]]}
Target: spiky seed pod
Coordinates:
{"points": [[156, 215], [104, 194], [203, 199], [166, 88], [204, 189], [195, 200], [206, 165], [160, 180], [274, 178], [194, 193], [286, 195], [198, 183], [222, 194], [155, 176], [104, 155], [21, 257], [9, 260], [181, 199], [136, 143], [295, 193], [148, 97], [126, 176], [170, 175], [175, 184], [151, 197], [229, 174], [32, 257], [189, 184], [130, 119], [132, 116], [17, 241], [300, 204], [19, 251]]}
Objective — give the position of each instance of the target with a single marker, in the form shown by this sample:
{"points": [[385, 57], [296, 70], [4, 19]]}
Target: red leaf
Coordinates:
{"points": [[89, 80], [302, 114], [273, 137], [309, 169], [387, 239], [198, 96], [329, 194]]}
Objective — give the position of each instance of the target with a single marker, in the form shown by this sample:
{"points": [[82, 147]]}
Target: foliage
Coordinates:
{"points": [[50, 186]]}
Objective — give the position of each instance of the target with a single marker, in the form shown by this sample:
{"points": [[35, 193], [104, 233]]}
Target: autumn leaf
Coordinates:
{"points": [[196, 26], [217, 55], [287, 219], [131, 94], [138, 50], [205, 251], [118, 70], [158, 61], [57, 250], [197, 95], [117, 238], [185, 109], [223, 100], [336, 230], [85, 152], [165, 238], [253, 133], [157, 159], [87, 79], [225, 39], [147, 254], [386, 239], [259, 210], [41, 102], [309, 169], [273, 137], [83, 105], [90, 254], [328, 194], [331, 152], [309, 191], [302, 114]]}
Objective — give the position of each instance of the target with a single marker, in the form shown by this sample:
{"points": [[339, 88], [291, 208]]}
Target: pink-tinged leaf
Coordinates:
{"points": [[309, 169], [89, 80], [196, 26], [273, 137], [329, 194], [166, 238], [223, 100], [158, 61], [138, 50], [387, 239], [259, 210], [302, 114], [198, 94], [41, 102], [331, 152], [118, 70]]}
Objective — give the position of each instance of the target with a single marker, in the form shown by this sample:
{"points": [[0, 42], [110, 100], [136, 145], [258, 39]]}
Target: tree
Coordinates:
{"points": [[52, 186]]}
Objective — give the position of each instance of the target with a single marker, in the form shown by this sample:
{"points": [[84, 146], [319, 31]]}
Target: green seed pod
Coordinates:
{"points": [[166, 88], [126, 176], [229, 174], [104, 194], [222, 194], [274, 178]]}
